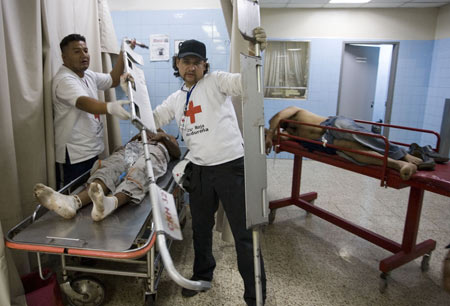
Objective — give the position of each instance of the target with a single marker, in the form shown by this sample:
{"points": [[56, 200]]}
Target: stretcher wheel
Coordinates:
{"points": [[312, 203], [90, 292], [425, 264], [272, 214], [384, 280]]}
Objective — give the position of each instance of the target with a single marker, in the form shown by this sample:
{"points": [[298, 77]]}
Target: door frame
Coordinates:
{"points": [[392, 76]]}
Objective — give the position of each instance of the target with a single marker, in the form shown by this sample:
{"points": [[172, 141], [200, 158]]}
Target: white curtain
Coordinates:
{"points": [[285, 65], [30, 32]]}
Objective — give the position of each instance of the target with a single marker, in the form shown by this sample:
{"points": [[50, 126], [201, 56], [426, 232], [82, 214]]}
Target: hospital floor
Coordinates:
{"points": [[310, 261]]}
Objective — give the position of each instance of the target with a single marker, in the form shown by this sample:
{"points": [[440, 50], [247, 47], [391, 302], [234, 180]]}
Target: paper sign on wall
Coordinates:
{"points": [[159, 47]]}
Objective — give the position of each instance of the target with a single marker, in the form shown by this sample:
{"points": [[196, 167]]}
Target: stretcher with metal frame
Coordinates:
{"points": [[127, 236], [436, 181]]}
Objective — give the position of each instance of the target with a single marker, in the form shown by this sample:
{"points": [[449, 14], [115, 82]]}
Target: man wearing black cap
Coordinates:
{"points": [[209, 127]]}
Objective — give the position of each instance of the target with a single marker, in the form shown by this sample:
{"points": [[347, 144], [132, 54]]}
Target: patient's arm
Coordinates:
{"points": [[275, 120], [283, 114]]}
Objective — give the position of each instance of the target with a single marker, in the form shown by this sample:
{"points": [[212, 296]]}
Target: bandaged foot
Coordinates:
{"points": [[64, 205], [407, 170], [103, 205]]}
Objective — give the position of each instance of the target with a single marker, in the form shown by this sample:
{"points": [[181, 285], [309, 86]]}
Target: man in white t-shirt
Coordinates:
{"points": [[77, 110], [207, 121]]}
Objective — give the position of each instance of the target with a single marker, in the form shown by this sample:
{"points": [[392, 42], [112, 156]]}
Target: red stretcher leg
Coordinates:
{"points": [[403, 253], [409, 249], [295, 190]]}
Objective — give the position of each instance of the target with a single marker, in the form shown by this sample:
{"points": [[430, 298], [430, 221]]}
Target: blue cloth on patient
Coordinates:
{"points": [[376, 144]]}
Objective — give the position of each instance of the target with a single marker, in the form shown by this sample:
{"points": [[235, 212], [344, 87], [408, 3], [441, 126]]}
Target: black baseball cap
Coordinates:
{"points": [[192, 47]]}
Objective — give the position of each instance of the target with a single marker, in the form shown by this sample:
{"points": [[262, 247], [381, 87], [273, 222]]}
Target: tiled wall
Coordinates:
{"points": [[422, 80], [411, 87], [207, 26], [438, 88]]}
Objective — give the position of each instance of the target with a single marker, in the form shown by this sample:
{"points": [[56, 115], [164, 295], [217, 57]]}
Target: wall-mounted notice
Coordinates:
{"points": [[159, 47]]}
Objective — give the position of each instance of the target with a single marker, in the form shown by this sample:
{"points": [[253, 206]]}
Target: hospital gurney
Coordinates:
{"points": [[127, 236], [437, 181]]}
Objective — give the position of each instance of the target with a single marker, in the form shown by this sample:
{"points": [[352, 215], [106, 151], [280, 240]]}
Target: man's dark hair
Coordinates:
{"points": [[176, 73], [69, 38]]}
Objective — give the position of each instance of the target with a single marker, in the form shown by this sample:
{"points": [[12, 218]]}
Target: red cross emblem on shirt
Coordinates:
{"points": [[192, 110]]}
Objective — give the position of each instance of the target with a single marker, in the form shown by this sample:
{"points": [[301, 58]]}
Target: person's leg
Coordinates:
{"points": [[109, 170], [203, 204], [375, 144], [104, 205], [405, 168], [446, 271], [64, 205], [229, 184], [133, 188]]}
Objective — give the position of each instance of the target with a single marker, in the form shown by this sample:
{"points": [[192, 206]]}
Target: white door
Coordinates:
{"points": [[358, 81]]}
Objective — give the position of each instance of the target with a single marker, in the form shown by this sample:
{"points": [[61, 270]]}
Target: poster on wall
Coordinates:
{"points": [[159, 47]]}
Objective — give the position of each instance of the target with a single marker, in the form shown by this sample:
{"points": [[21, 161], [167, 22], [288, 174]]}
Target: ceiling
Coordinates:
{"points": [[371, 4]]}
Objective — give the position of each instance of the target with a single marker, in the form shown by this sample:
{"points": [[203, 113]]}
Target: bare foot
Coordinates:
{"points": [[63, 205], [412, 159], [407, 170]]}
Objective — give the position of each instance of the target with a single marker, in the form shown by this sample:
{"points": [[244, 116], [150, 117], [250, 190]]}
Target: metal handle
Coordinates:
{"points": [[161, 238]]}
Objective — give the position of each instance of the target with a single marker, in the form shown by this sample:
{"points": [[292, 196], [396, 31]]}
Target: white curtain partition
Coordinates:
{"points": [[30, 32], [285, 67]]}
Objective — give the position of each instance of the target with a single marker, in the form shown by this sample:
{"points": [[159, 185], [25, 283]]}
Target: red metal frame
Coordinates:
{"points": [[131, 254], [437, 181]]}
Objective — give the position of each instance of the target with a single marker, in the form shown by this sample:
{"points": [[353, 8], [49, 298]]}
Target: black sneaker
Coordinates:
{"points": [[189, 292], [427, 162], [428, 150]]}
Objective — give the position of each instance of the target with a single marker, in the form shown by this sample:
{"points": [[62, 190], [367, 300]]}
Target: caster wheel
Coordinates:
{"points": [[88, 291], [425, 264], [307, 212], [384, 279], [272, 214]]}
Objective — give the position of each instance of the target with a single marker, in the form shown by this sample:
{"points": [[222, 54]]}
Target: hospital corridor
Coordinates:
{"points": [[225, 153]]}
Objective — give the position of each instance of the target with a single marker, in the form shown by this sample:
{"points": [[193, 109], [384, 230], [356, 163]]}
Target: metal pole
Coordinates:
{"points": [[154, 199], [161, 238], [257, 264], [256, 242]]}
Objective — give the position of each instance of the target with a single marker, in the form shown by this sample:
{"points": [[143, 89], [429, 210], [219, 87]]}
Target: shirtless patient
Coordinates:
{"points": [[398, 158]]}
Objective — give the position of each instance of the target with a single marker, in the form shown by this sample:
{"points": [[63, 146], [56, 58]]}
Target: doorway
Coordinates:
{"points": [[367, 81]]}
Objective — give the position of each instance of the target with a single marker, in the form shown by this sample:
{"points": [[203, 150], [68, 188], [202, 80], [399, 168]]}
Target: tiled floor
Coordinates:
{"points": [[310, 261]]}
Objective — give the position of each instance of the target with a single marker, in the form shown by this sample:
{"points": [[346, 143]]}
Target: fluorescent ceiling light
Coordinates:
{"points": [[349, 1]]}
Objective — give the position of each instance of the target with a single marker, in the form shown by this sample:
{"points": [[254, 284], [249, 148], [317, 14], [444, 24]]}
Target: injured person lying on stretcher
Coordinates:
{"points": [[122, 175], [398, 158]]}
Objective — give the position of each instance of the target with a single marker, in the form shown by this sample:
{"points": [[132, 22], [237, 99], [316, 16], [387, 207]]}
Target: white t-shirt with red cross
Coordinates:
{"points": [[207, 120], [78, 131]]}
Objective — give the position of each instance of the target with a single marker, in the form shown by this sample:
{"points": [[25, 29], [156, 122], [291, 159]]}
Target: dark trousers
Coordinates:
{"points": [[72, 171], [223, 182]]}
